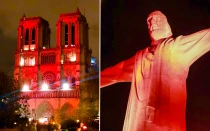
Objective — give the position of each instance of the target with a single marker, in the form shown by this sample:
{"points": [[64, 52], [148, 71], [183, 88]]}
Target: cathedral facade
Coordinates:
{"points": [[51, 77]]}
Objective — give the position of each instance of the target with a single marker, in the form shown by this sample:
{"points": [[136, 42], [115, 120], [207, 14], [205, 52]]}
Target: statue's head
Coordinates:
{"points": [[158, 26]]}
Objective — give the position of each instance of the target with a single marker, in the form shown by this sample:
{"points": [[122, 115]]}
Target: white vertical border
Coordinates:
{"points": [[99, 64]]}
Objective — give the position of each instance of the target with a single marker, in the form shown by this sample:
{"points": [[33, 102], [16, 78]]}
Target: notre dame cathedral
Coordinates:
{"points": [[52, 76]]}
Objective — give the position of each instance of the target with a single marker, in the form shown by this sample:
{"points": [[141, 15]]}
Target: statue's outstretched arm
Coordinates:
{"points": [[121, 72], [192, 47]]}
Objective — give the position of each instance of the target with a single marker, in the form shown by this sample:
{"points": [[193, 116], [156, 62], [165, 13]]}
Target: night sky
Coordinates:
{"points": [[12, 10], [124, 32]]}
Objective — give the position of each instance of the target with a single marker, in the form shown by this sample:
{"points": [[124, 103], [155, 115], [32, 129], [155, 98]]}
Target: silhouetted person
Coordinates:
{"points": [[38, 126]]}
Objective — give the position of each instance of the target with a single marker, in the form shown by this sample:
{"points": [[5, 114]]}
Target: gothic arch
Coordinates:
{"points": [[66, 111], [33, 35], [72, 34], [73, 81], [45, 109], [66, 34], [27, 37]]}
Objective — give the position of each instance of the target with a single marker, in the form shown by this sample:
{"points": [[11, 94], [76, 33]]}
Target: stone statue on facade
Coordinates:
{"points": [[158, 73]]}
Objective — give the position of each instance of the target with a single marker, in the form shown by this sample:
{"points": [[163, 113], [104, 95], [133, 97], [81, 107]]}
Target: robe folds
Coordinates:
{"points": [[157, 99]]}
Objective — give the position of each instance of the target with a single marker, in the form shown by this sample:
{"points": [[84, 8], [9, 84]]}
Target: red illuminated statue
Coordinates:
{"points": [[157, 99]]}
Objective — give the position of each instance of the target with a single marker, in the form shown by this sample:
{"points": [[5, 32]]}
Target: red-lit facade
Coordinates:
{"points": [[42, 71]]}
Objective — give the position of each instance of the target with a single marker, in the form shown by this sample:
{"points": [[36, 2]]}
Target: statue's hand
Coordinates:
{"points": [[150, 112]]}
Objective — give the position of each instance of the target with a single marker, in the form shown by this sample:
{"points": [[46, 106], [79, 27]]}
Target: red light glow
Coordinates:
{"points": [[84, 127], [25, 88], [65, 86], [21, 61], [45, 87]]}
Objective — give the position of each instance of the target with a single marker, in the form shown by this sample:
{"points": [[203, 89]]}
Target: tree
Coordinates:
{"points": [[9, 102], [89, 97], [89, 102], [24, 110]]}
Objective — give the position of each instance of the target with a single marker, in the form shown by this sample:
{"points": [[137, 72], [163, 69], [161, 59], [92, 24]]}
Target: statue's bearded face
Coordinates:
{"points": [[158, 26]]}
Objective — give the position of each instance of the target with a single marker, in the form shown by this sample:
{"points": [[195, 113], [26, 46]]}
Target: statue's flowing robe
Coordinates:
{"points": [[157, 99]]}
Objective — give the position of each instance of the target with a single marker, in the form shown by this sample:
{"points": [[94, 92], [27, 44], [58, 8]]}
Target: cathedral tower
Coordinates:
{"points": [[72, 39]]}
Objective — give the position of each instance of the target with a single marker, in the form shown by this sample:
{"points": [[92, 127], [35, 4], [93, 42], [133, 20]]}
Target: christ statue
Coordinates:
{"points": [[158, 73]]}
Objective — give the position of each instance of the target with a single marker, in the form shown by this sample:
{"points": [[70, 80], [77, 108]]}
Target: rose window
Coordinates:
{"points": [[68, 72], [49, 77]]}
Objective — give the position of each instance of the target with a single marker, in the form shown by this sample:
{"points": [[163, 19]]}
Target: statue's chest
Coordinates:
{"points": [[156, 62]]}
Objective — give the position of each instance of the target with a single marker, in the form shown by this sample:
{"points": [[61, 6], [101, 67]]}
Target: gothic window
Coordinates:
{"points": [[21, 61], [72, 34], [70, 57], [27, 37], [48, 58], [66, 35], [44, 37], [29, 61], [33, 36], [73, 81], [73, 56], [49, 77]]}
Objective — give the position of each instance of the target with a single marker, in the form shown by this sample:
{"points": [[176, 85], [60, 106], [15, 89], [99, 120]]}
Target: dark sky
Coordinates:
{"points": [[124, 32], [12, 10]]}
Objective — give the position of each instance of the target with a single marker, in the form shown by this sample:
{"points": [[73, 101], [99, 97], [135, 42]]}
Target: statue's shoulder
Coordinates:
{"points": [[174, 41], [178, 37], [140, 52], [169, 40], [166, 44]]}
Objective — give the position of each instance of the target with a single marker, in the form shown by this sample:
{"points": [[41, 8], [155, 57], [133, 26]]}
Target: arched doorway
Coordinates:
{"points": [[66, 111], [44, 110]]}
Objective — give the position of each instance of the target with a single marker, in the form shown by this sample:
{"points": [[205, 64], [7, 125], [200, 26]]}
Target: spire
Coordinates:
{"points": [[24, 16], [78, 11], [84, 11]]}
